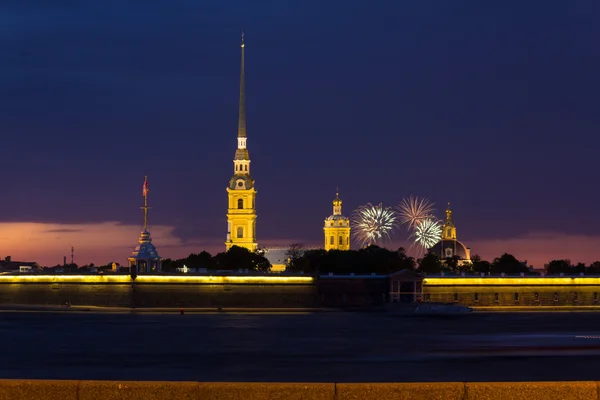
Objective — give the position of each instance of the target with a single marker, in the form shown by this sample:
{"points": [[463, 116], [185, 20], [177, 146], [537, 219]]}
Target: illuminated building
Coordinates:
{"points": [[337, 228], [241, 210], [144, 258], [449, 246]]}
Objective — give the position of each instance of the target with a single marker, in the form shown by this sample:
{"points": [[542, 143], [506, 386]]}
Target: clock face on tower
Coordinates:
{"points": [[448, 252], [240, 184]]}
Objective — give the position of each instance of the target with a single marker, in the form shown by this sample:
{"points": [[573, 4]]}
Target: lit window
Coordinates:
{"points": [[240, 232]]}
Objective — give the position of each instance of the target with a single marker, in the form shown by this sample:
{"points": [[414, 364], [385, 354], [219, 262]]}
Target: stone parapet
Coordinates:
{"points": [[109, 390]]}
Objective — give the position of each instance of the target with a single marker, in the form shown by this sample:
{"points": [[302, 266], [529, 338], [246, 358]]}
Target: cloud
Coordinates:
{"points": [[48, 243]]}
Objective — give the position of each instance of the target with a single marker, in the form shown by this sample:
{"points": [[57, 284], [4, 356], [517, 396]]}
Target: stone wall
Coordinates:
{"points": [[93, 390], [512, 295]]}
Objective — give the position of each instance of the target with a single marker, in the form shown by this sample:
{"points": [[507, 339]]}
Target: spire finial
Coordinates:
{"points": [[242, 111]]}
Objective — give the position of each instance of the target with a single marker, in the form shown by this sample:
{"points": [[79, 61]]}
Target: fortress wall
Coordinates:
{"points": [[92, 390], [567, 295], [87, 294], [178, 291], [225, 295]]}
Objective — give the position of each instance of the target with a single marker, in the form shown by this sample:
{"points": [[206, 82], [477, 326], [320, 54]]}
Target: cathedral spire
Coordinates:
{"points": [[242, 110]]}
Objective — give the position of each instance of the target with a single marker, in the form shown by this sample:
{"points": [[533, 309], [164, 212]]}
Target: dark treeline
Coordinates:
{"points": [[372, 259], [234, 259]]}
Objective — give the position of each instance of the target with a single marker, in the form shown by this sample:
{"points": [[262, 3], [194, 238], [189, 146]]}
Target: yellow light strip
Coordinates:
{"points": [[223, 279], [154, 279], [522, 281], [65, 279]]}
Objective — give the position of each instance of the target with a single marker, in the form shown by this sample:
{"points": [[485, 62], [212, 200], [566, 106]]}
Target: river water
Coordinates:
{"points": [[312, 347]]}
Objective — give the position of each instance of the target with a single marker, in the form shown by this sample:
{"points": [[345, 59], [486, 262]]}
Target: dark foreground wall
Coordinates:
{"points": [[160, 295], [93, 390], [165, 291]]}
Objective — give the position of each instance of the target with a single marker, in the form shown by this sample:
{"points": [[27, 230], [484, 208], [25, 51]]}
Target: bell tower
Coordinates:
{"points": [[337, 228], [449, 229], [241, 211]]}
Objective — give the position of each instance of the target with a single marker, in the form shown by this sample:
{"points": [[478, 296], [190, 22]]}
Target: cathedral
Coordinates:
{"points": [[241, 210], [337, 228], [449, 246]]}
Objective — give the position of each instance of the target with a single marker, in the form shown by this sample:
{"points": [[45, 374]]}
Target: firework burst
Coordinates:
{"points": [[427, 233], [414, 210], [372, 224]]}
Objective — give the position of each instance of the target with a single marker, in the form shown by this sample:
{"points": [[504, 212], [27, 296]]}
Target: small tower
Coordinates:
{"points": [[449, 229], [337, 228], [144, 258], [449, 246], [241, 209]]}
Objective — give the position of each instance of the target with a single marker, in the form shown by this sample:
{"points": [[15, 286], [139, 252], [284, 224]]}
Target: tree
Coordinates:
{"points": [[241, 258], [508, 264], [452, 263], [293, 253], [594, 268], [556, 267], [430, 264], [479, 265]]}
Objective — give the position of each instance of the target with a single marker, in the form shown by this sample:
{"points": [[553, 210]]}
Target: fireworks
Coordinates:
{"points": [[427, 233], [414, 210], [371, 224]]}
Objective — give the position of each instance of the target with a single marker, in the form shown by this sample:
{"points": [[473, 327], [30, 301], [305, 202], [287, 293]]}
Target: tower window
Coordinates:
{"points": [[341, 241], [240, 232], [240, 204], [347, 240], [331, 240], [246, 167]]}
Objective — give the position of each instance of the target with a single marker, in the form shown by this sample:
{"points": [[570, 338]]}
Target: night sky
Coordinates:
{"points": [[492, 106]]}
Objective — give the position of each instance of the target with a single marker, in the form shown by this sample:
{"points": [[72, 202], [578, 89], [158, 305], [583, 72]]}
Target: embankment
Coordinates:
{"points": [[93, 390]]}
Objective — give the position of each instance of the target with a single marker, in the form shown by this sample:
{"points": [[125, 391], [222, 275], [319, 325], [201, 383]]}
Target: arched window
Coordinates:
{"points": [[246, 167], [240, 232], [341, 241], [240, 203], [331, 240]]}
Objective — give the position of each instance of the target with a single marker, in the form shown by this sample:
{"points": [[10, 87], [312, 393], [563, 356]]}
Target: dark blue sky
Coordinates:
{"points": [[492, 106]]}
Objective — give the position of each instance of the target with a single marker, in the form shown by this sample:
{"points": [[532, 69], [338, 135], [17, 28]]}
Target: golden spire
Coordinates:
{"points": [[242, 111], [449, 215], [145, 207]]}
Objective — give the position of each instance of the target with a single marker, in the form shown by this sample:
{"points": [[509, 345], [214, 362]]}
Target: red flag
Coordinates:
{"points": [[145, 188]]}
